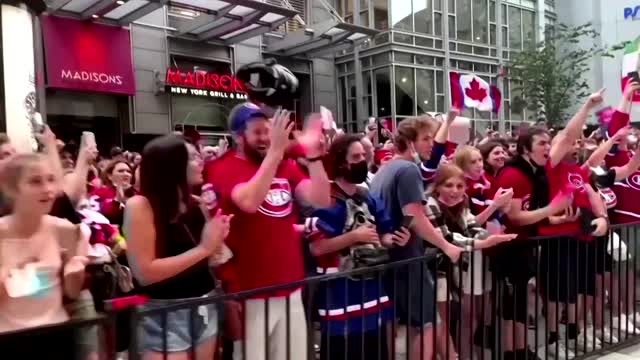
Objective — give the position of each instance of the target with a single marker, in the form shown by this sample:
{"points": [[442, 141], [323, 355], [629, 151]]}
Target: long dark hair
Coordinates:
{"points": [[163, 181]]}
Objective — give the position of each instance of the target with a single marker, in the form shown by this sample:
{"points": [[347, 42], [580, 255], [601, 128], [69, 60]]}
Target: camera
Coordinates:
{"points": [[269, 83]]}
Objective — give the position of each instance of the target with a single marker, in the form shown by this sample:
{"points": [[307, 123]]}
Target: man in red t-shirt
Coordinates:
{"points": [[532, 204], [254, 183]]}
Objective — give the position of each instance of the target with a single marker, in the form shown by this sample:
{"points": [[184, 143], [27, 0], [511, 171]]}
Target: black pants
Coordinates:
{"points": [[371, 345]]}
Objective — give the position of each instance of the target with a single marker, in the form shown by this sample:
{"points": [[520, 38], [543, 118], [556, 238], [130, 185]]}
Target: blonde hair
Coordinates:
{"points": [[409, 129], [14, 170], [463, 156]]}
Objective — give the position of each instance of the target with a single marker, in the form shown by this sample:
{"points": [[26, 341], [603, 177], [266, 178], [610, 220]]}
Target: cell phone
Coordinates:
{"points": [[38, 123], [89, 139], [634, 76], [407, 221]]}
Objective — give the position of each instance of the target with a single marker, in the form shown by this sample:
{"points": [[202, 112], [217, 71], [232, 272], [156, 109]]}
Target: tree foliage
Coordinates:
{"points": [[551, 76]]}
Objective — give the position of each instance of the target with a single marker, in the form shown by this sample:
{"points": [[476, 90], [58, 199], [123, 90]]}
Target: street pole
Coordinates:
{"points": [[357, 68], [500, 79]]}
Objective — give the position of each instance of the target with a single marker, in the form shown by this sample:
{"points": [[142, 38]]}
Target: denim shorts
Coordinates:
{"points": [[178, 329]]}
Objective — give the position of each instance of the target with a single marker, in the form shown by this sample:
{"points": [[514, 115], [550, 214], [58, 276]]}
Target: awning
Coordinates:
{"points": [[225, 21], [328, 36]]}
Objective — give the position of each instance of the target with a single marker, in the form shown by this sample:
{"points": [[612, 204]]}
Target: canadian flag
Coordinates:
{"points": [[470, 91]]}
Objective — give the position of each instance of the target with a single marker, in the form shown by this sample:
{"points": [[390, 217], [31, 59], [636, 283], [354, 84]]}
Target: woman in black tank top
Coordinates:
{"points": [[169, 245]]}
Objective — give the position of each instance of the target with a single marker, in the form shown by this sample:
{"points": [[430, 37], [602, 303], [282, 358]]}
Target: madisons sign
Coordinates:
{"points": [[632, 13], [202, 83]]}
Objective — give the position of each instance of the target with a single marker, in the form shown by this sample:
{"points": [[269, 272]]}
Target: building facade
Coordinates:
{"points": [[404, 69], [617, 21]]}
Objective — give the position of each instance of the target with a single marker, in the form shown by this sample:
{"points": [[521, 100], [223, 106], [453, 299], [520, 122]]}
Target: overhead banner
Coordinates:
{"points": [[82, 55]]}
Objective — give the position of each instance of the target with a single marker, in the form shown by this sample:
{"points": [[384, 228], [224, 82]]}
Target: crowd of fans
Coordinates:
{"points": [[191, 221]]}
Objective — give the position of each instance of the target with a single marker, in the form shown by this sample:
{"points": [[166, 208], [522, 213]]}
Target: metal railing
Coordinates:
{"points": [[550, 297]]}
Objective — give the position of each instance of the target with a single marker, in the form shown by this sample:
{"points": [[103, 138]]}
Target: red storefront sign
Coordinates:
{"points": [[82, 55], [202, 83]]}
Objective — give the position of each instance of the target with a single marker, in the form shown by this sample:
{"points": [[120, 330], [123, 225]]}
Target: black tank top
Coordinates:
{"points": [[196, 281]]}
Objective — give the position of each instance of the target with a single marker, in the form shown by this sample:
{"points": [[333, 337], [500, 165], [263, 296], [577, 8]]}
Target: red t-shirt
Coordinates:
{"points": [[567, 177], [512, 178], [478, 192], [266, 249], [627, 191]]}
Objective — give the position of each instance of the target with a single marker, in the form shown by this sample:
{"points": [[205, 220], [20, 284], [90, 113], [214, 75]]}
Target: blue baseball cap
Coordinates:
{"points": [[242, 114]]}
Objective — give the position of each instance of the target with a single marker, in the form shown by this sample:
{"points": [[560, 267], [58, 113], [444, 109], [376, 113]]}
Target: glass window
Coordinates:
{"points": [[351, 86], [402, 15], [437, 5], [381, 59], [381, 14], [439, 82], [366, 82], [492, 11], [403, 38], [463, 13], [424, 42], [452, 27], [422, 14], [515, 28], [452, 6], [492, 34], [529, 28], [383, 91], [405, 96], [465, 48], [505, 36], [440, 104], [426, 95], [465, 65], [403, 57], [364, 18], [437, 24], [504, 14], [485, 68], [424, 60], [480, 23]]}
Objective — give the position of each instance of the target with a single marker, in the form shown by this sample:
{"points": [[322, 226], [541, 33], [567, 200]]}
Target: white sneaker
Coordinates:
{"points": [[606, 335], [562, 353], [624, 324]]}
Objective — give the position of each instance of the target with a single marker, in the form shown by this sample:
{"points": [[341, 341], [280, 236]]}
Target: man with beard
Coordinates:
{"points": [[254, 183]]}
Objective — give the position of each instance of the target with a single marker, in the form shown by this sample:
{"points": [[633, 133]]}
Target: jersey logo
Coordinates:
{"points": [[279, 199], [634, 181], [609, 197], [209, 197], [576, 181]]}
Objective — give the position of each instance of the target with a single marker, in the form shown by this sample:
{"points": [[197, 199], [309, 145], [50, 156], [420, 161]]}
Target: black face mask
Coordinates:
{"points": [[357, 173]]}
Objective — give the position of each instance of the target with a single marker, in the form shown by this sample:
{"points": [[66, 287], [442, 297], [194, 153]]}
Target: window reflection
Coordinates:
{"points": [[515, 28], [529, 28], [381, 14], [425, 86], [383, 91], [423, 16], [480, 23], [402, 15], [404, 91], [463, 14]]}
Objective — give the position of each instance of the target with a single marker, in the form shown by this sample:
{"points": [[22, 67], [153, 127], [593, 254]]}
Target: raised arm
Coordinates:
{"points": [[248, 196], [632, 166], [563, 142], [601, 152]]}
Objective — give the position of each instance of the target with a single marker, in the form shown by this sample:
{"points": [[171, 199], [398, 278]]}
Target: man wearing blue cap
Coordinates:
{"points": [[258, 186]]}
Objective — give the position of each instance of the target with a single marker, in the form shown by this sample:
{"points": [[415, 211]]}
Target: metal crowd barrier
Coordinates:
{"points": [[546, 297]]}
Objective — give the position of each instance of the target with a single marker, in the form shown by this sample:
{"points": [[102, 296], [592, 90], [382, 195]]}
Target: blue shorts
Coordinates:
{"points": [[178, 326]]}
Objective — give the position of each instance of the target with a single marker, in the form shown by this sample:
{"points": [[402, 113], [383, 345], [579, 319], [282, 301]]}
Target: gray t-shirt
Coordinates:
{"points": [[399, 183]]}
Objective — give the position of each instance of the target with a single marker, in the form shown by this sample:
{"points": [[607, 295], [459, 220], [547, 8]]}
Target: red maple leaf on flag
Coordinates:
{"points": [[475, 92]]}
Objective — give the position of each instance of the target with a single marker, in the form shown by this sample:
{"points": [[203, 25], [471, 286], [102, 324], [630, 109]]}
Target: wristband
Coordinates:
{"points": [[317, 158]]}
